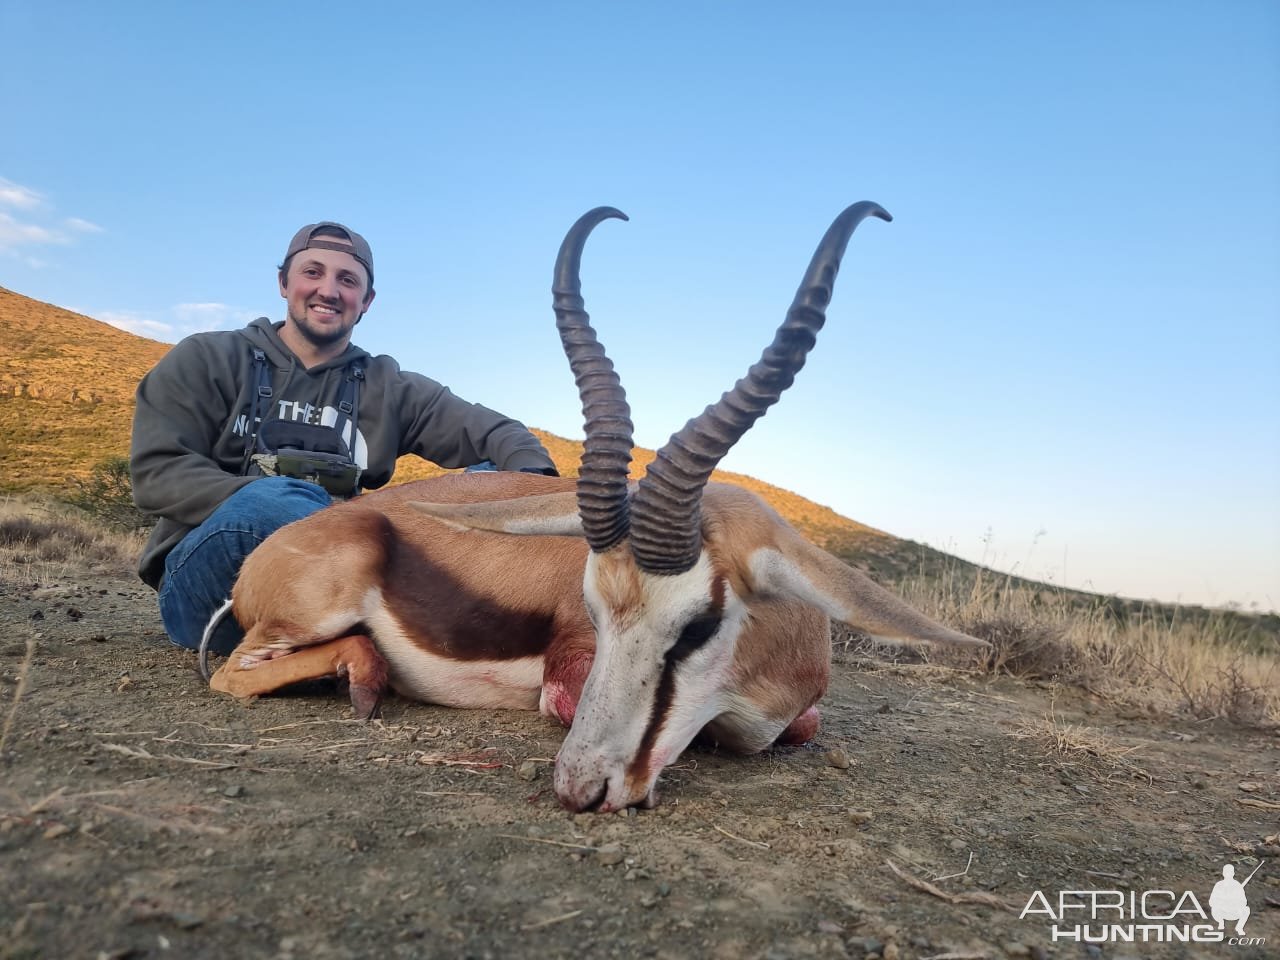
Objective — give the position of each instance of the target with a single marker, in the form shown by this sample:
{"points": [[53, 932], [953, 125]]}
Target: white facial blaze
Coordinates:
{"points": [[641, 704]]}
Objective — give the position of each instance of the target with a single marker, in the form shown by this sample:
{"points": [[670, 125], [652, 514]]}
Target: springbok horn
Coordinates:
{"points": [[606, 452], [666, 535]]}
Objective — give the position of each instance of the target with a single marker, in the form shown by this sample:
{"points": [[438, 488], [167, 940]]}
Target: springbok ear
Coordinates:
{"points": [[799, 569], [551, 514]]}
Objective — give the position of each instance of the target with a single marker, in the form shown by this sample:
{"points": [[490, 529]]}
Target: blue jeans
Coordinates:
{"points": [[200, 571]]}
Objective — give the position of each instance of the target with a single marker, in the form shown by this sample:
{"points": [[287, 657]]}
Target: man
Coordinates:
{"points": [[237, 433]]}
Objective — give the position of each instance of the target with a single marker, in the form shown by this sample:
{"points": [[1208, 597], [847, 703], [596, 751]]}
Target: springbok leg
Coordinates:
{"points": [[354, 657]]}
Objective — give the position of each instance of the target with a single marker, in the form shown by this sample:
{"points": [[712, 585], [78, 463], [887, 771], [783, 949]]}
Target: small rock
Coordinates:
{"points": [[827, 926], [609, 855], [235, 790], [838, 758], [1250, 786], [957, 844], [57, 830], [1015, 949], [527, 770], [890, 951], [859, 817]]}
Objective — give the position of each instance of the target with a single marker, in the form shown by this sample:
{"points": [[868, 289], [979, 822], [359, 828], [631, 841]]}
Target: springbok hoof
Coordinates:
{"points": [[366, 701]]}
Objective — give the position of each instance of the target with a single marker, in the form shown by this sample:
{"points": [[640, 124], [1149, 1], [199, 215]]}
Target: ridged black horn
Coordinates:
{"points": [[606, 452], [665, 520]]}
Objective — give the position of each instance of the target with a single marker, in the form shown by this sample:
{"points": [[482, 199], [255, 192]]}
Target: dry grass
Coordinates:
{"points": [[1078, 744], [1207, 665], [24, 672], [41, 541]]}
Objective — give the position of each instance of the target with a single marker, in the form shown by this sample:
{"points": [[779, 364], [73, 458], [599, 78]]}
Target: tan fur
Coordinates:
{"points": [[783, 660], [310, 583], [618, 580], [736, 523]]}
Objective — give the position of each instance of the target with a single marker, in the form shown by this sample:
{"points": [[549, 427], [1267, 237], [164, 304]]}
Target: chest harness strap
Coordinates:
{"points": [[348, 404]]}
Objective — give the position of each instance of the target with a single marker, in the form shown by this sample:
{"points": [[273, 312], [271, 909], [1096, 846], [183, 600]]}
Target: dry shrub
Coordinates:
{"points": [[1026, 647], [1204, 671], [39, 540], [1176, 662], [107, 496], [1076, 744]]}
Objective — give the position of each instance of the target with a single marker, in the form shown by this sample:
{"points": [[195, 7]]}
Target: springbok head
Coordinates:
{"points": [[666, 619], [665, 590]]}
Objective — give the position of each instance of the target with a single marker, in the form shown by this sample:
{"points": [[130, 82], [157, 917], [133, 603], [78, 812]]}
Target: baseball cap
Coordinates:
{"points": [[358, 248]]}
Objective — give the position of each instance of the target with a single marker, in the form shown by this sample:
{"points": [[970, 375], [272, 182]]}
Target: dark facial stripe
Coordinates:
{"points": [[638, 769], [695, 633]]}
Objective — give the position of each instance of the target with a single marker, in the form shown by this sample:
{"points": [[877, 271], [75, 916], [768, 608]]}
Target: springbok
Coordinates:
{"points": [[637, 614]]}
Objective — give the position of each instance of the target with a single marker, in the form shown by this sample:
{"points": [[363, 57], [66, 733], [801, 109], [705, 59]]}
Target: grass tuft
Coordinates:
{"points": [[1204, 665], [39, 541]]}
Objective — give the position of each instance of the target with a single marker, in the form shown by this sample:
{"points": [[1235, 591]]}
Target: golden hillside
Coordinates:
{"points": [[66, 391], [66, 404]]}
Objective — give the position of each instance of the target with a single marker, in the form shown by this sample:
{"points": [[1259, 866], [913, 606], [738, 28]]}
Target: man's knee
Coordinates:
{"points": [[279, 500], [200, 571]]}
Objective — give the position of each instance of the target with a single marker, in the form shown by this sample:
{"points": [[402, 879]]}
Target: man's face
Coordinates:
{"points": [[326, 292]]}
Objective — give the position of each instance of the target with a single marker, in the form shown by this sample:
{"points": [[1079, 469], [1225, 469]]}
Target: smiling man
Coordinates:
{"points": [[237, 433]]}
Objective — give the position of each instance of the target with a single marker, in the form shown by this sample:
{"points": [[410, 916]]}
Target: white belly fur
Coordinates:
{"points": [[420, 675]]}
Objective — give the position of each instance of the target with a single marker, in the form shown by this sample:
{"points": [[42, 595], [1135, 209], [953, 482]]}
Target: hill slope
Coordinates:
{"points": [[66, 391], [66, 404]]}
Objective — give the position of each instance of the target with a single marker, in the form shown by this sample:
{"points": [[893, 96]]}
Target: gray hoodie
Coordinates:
{"points": [[189, 426]]}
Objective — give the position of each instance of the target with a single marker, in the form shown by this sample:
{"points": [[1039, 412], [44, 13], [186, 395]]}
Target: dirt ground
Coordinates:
{"points": [[143, 816]]}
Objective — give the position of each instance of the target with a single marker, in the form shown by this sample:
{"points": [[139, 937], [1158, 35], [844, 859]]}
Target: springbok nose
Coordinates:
{"points": [[578, 802]]}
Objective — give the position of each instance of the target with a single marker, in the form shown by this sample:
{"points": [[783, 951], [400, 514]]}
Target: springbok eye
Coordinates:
{"points": [[695, 633]]}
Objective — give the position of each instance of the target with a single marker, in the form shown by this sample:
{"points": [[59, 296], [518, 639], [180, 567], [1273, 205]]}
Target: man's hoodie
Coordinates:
{"points": [[193, 410]]}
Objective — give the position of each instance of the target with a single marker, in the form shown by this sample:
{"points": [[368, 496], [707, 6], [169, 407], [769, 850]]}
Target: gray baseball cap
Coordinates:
{"points": [[358, 248]]}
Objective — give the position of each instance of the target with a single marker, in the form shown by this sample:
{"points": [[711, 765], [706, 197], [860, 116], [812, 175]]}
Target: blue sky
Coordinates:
{"points": [[1062, 358]]}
